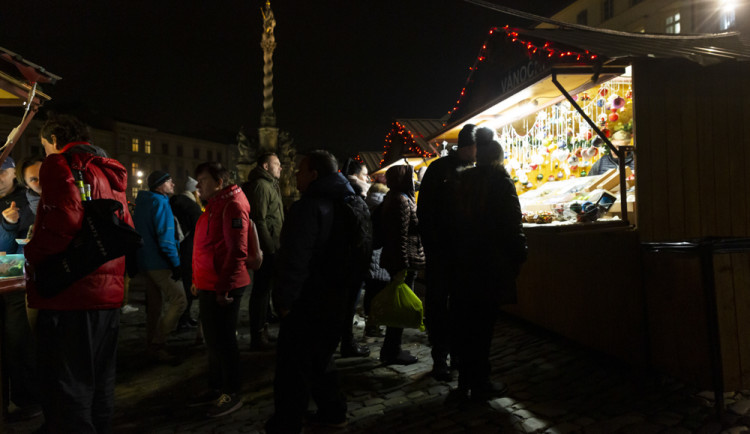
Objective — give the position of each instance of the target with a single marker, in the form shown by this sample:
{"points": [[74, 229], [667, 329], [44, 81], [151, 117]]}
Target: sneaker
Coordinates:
{"points": [[205, 398], [224, 405], [317, 419], [354, 350], [440, 372], [128, 308], [402, 358]]}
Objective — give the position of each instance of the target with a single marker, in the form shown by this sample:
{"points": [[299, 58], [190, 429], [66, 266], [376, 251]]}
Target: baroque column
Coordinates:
{"points": [[268, 132]]}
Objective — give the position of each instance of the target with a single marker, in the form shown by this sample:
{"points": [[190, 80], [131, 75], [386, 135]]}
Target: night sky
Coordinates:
{"points": [[343, 69]]}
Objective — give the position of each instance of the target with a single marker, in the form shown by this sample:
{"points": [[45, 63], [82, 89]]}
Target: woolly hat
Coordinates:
{"points": [[8, 163], [157, 178], [190, 184], [466, 136]]}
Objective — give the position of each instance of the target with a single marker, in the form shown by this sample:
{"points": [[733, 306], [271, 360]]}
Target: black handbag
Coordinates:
{"points": [[102, 238]]}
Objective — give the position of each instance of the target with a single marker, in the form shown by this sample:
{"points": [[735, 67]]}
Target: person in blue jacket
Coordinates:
{"points": [[159, 263]]}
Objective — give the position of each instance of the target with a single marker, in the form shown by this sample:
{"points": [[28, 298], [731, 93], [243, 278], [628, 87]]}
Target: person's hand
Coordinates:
{"points": [[10, 214], [224, 299], [194, 290], [176, 274]]}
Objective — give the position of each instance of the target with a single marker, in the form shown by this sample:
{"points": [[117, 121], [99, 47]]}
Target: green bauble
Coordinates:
{"points": [[515, 179], [539, 177], [583, 173]]}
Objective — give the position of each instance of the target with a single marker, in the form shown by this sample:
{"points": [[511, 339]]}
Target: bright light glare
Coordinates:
{"points": [[727, 5], [140, 173]]}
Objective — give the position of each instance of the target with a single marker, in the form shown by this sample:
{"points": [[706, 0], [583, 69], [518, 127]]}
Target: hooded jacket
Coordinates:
{"points": [[309, 261], [402, 246], [220, 244], [267, 209], [154, 221], [60, 216]]}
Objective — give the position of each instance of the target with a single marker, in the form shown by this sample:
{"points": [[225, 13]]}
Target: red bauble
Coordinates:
{"points": [[606, 132], [603, 91], [613, 117]]}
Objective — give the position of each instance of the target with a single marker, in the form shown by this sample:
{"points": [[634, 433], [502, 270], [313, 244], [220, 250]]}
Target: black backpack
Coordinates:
{"points": [[355, 230]]}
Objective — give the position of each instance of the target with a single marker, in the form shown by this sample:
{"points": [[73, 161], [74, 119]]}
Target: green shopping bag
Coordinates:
{"points": [[397, 305]]}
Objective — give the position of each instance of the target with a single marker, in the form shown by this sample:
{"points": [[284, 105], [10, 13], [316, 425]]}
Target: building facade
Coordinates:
{"points": [[139, 148], [657, 16]]}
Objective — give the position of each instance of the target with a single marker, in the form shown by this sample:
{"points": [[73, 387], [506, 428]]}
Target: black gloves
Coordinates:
{"points": [[176, 274]]}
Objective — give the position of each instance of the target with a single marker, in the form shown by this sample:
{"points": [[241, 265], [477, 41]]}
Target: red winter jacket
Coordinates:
{"points": [[59, 218], [220, 244]]}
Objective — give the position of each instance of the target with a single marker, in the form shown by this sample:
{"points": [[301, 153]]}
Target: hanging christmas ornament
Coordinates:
{"points": [[539, 177], [600, 102], [618, 102], [515, 179], [603, 91], [607, 132], [629, 94], [590, 153], [613, 117], [560, 175], [583, 173], [551, 178]]}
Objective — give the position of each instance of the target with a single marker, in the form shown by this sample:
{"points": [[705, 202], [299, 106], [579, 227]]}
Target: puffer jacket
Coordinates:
{"points": [[220, 244], [60, 216], [262, 191], [154, 221], [402, 246]]}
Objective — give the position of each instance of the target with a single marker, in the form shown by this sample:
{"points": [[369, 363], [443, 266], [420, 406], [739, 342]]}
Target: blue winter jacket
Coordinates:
{"points": [[155, 222]]}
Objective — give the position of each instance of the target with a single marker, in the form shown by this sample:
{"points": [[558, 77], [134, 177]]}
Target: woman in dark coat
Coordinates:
{"points": [[490, 247], [402, 248]]}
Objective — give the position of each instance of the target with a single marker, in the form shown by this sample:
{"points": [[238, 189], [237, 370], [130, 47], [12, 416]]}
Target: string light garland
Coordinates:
{"points": [[407, 140], [545, 51]]}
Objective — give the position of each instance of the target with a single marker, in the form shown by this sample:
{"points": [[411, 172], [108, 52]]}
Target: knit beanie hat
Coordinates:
{"points": [[157, 178], [190, 184]]}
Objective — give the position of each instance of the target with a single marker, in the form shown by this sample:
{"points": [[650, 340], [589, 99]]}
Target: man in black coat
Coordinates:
{"points": [[435, 208], [310, 296]]}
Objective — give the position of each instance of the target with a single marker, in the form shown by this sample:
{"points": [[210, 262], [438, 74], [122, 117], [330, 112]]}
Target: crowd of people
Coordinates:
{"points": [[345, 239]]}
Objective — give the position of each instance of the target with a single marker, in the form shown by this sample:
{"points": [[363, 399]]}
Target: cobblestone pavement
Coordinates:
{"points": [[555, 386]]}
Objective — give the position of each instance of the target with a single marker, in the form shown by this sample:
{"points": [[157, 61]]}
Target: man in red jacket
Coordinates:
{"points": [[76, 329], [219, 278]]}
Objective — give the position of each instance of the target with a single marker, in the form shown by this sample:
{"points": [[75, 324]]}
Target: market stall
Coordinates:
{"points": [[561, 100], [20, 91]]}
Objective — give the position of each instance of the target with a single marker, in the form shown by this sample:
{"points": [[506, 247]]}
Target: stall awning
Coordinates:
{"points": [[19, 81]]}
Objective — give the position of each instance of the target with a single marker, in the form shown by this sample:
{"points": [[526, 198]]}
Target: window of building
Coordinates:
{"points": [[147, 146], [134, 191], [608, 9], [165, 148], [134, 145], [673, 24], [179, 150], [210, 155], [196, 153], [726, 15], [583, 17], [134, 170]]}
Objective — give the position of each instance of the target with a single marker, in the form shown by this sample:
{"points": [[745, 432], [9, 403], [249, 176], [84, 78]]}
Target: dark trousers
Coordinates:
{"points": [[261, 294], [440, 279], [187, 281], [19, 351], [76, 359], [220, 334], [347, 336], [392, 341], [473, 324], [304, 368]]}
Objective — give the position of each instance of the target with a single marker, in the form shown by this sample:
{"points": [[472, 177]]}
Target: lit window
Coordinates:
{"points": [[134, 146], [726, 15], [134, 167], [147, 146], [134, 191], [673, 24]]}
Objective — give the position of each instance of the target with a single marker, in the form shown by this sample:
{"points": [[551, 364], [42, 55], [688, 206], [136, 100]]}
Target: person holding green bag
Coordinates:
{"points": [[402, 249]]}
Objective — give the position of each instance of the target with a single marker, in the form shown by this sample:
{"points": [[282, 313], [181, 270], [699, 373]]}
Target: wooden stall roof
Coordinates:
{"points": [[422, 128]]}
